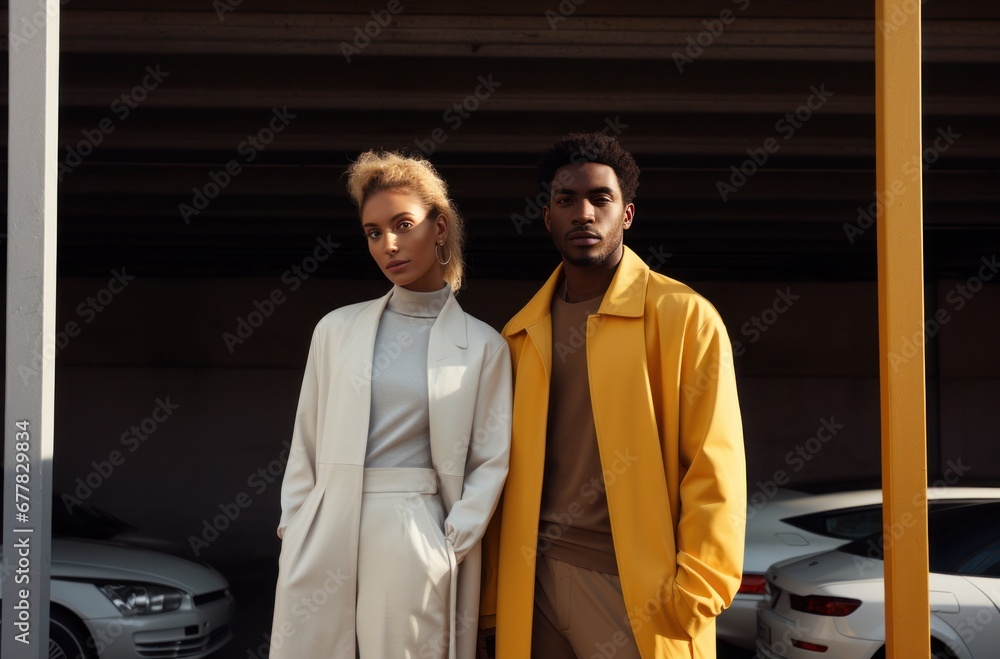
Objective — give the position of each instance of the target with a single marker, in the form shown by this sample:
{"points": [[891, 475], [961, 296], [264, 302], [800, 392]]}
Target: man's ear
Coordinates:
{"points": [[545, 218], [629, 214]]}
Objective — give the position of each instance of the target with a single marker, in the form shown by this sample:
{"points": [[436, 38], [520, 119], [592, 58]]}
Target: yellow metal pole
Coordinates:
{"points": [[901, 329]]}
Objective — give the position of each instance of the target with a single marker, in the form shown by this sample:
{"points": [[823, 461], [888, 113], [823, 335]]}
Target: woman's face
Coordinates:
{"points": [[402, 239]]}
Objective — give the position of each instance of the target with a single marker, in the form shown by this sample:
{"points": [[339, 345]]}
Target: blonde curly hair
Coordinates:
{"points": [[378, 171]]}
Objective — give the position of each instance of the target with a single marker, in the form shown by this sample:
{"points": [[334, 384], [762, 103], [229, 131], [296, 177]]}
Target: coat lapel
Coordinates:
{"points": [[354, 402], [446, 402], [449, 335]]}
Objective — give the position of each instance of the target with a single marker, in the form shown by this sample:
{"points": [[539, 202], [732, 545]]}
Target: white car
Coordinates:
{"points": [[110, 600], [833, 604], [784, 524]]}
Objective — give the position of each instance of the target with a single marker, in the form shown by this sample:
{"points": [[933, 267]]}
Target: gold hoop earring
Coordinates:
{"points": [[438, 256]]}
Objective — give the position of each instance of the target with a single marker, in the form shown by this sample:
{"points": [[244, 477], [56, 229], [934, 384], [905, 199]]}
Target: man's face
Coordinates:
{"points": [[587, 216]]}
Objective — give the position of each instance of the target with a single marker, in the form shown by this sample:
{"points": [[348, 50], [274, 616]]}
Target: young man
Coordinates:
{"points": [[621, 528]]}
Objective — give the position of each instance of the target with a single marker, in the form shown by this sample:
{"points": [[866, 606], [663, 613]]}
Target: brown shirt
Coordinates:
{"points": [[574, 524]]}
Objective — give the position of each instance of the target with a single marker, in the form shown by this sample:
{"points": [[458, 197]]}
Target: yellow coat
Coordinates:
{"points": [[670, 437]]}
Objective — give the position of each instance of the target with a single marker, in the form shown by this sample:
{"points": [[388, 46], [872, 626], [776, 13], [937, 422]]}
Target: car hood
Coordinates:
{"points": [[102, 561], [803, 576]]}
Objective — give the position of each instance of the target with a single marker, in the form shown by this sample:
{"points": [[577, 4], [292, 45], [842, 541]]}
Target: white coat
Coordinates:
{"points": [[469, 391]]}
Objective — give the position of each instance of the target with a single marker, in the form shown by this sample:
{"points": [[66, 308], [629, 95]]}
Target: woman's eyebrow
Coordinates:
{"points": [[391, 219]]}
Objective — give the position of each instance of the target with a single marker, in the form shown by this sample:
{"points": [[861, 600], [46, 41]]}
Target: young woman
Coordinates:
{"points": [[400, 445]]}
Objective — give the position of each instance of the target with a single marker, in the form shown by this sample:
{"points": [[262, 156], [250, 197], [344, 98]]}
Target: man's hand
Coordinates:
{"points": [[486, 643]]}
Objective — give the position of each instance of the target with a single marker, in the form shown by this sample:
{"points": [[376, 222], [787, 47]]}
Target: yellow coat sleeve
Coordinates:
{"points": [[710, 528]]}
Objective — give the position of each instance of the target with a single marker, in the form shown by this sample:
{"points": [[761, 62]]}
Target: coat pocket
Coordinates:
{"points": [[429, 508], [298, 527], [429, 517]]}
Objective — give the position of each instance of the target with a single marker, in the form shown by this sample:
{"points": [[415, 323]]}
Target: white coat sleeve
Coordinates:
{"points": [[300, 472], [488, 456]]}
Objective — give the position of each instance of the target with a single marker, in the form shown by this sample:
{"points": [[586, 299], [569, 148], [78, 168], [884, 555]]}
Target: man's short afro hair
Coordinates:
{"points": [[590, 147]]}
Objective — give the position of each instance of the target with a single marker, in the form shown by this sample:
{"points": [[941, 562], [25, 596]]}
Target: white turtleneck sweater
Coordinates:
{"points": [[399, 425]]}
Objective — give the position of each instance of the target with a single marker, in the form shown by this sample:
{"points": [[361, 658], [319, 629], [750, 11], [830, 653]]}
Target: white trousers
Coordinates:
{"points": [[404, 570]]}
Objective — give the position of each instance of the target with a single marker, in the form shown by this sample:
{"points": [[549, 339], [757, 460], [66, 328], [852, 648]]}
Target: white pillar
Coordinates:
{"points": [[31, 291]]}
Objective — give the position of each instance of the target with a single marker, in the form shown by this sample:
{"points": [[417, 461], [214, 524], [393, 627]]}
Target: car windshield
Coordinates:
{"points": [[963, 539], [849, 524], [859, 522], [85, 522]]}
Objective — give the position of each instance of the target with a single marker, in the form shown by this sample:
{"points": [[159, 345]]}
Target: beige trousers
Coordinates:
{"points": [[579, 614], [404, 568]]}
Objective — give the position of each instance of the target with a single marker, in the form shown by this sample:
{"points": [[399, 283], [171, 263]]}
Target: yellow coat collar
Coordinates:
{"points": [[624, 297]]}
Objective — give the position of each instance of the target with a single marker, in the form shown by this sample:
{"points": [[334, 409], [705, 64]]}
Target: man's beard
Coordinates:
{"points": [[592, 259], [587, 261]]}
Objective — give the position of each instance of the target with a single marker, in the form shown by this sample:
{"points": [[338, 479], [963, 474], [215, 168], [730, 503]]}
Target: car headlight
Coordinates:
{"points": [[141, 599]]}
